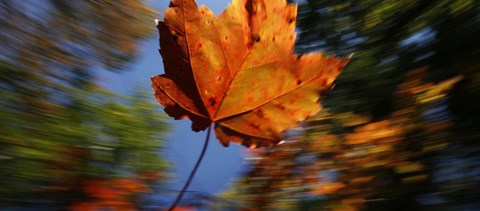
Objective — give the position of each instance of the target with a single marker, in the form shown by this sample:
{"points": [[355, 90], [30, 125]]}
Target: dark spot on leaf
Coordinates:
{"points": [[281, 107], [290, 21], [256, 126], [299, 82], [260, 113], [255, 38], [273, 39], [226, 38], [212, 101]]}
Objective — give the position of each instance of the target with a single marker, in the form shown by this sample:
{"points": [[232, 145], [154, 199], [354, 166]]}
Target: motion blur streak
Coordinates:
{"points": [[65, 142], [400, 131]]}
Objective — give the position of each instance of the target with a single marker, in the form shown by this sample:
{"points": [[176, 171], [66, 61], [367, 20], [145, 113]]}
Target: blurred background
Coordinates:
{"points": [[80, 129]]}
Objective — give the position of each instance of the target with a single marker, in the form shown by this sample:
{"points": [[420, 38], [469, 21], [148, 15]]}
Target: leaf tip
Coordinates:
{"points": [[225, 143]]}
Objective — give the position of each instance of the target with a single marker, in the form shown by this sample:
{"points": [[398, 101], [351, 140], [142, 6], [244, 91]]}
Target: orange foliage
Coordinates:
{"points": [[114, 194], [364, 159]]}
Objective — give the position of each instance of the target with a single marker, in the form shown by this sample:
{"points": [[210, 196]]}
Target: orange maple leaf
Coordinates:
{"points": [[238, 70]]}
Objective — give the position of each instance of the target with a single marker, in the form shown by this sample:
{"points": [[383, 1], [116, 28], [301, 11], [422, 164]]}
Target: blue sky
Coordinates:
{"points": [[220, 164]]}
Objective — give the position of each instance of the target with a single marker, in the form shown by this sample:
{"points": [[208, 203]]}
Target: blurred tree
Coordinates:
{"points": [[349, 162], [390, 139], [92, 134], [66, 41], [388, 39], [58, 129]]}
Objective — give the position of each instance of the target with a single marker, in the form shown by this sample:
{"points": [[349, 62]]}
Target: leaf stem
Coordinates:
{"points": [[200, 158]]}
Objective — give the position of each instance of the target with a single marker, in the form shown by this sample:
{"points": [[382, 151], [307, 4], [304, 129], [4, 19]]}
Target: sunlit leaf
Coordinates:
{"points": [[238, 70]]}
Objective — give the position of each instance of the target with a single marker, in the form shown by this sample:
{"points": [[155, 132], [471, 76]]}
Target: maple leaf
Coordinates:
{"points": [[239, 71]]}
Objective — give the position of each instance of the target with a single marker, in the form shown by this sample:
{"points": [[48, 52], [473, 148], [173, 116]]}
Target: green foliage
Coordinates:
{"points": [[57, 127], [93, 134]]}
